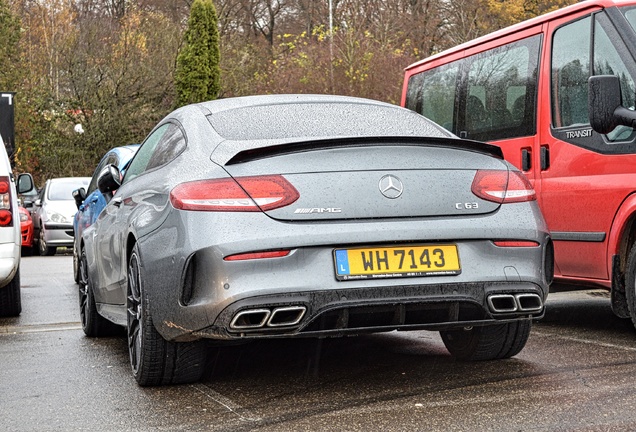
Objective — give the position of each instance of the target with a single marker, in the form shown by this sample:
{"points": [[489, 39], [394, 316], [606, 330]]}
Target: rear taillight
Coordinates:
{"points": [[503, 186], [6, 217], [243, 194]]}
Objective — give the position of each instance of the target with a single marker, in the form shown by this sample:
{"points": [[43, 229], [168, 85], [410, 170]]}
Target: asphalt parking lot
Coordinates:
{"points": [[575, 374]]}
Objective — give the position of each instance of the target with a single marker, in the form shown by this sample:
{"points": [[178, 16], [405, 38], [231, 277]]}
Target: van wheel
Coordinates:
{"points": [[10, 302], [488, 342], [630, 284], [154, 360]]}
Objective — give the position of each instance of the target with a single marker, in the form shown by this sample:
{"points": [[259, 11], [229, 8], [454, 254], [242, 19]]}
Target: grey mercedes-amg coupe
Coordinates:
{"points": [[310, 216]]}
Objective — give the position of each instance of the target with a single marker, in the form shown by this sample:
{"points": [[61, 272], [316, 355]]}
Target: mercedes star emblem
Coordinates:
{"points": [[391, 186]]}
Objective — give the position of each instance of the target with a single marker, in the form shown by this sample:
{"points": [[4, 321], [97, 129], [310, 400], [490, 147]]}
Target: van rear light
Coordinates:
{"points": [[6, 217], [503, 186], [243, 194], [257, 255]]}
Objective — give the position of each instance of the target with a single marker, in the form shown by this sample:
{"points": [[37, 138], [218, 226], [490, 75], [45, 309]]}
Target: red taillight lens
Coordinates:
{"points": [[5, 217], [503, 186], [256, 255], [243, 194], [515, 243], [4, 185]]}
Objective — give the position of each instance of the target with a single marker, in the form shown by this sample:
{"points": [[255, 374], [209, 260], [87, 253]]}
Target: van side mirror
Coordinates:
{"points": [[604, 105]]}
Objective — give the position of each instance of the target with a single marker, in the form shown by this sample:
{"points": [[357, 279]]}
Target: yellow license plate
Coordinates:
{"points": [[401, 261]]}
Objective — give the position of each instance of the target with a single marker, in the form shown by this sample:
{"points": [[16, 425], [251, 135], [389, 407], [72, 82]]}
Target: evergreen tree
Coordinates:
{"points": [[198, 74], [9, 48]]}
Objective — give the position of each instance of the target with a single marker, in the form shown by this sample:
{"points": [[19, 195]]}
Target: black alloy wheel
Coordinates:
{"points": [[154, 360], [93, 323]]}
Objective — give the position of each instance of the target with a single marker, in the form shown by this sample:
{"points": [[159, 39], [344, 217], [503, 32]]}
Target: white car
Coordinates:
{"points": [[53, 213], [10, 239]]}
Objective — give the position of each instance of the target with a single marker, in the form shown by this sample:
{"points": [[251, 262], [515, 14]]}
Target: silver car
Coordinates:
{"points": [[53, 213], [311, 216]]}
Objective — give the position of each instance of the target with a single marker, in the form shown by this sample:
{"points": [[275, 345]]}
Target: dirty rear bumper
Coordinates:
{"points": [[356, 311]]}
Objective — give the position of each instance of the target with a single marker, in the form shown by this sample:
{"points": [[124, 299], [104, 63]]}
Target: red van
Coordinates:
{"points": [[526, 88]]}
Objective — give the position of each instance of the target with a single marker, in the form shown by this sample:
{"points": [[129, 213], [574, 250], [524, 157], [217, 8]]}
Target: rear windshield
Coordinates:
{"points": [[315, 120]]}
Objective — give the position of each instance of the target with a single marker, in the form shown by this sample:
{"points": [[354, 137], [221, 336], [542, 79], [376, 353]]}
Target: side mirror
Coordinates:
{"points": [[25, 183], [79, 195], [604, 105], [109, 181]]}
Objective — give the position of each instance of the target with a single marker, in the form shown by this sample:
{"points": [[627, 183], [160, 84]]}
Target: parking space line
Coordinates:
{"points": [[584, 341], [39, 328], [230, 405]]}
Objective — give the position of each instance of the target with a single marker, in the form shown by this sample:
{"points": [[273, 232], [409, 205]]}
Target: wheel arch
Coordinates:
{"points": [[621, 241], [622, 236]]}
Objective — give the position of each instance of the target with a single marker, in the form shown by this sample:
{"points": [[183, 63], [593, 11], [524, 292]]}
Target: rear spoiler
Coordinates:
{"points": [[305, 146]]}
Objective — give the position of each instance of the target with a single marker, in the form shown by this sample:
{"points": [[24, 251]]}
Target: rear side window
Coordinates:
{"points": [[162, 146], [488, 96]]}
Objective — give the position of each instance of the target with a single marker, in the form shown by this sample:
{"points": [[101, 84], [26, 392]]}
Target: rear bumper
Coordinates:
{"points": [[299, 296], [355, 311], [9, 262], [194, 293]]}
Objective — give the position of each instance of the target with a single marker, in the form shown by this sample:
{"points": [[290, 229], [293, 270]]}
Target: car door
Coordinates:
{"points": [[126, 211]]}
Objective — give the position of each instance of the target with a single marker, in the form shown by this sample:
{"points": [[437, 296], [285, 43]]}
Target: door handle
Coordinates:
{"points": [[116, 201], [545, 157], [526, 159]]}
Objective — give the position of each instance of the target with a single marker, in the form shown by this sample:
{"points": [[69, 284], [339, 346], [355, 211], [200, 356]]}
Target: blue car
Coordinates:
{"points": [[91, 202]]}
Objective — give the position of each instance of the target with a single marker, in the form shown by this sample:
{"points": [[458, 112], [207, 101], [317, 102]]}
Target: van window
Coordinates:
{"points": [[501, 92], [571, 68], [570, 72], [432, 94], [488, 96], [608, 61], [630, 14]]}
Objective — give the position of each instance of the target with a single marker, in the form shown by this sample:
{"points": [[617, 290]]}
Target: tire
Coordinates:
{"points": [[93, 324], [488, 342], [10, 301], [43, 249], [76, 269], [26, 251], [630, 285], [154, 360]]}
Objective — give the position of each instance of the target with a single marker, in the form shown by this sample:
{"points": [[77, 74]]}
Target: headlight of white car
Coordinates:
{"points": [[56, 217]]}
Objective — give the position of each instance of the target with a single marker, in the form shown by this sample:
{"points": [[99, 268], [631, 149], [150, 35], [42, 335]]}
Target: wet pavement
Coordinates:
{"points": [[575, 374]]}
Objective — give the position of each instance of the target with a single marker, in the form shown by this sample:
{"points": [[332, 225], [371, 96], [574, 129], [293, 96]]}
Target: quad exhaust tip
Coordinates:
{"points": [[509, 303], [262, 318]]}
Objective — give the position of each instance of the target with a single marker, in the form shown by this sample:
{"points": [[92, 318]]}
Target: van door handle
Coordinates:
{"points": [[117, 201], [526, 159], [545, 157]]}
